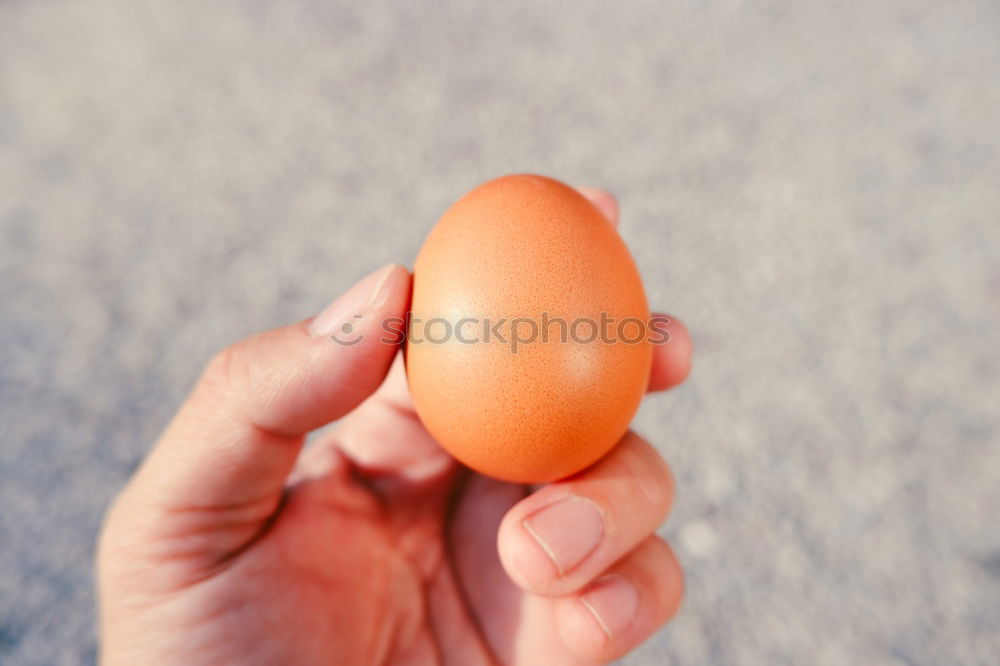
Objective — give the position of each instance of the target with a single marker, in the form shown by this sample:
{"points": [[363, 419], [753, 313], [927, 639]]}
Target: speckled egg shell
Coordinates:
{"points": [[526, 246]]}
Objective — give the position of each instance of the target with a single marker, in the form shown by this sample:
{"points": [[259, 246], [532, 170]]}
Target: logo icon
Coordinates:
{"points": [[342, 336]]}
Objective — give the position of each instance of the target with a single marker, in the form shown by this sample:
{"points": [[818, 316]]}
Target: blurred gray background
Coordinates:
{"points": [[814, 187]]}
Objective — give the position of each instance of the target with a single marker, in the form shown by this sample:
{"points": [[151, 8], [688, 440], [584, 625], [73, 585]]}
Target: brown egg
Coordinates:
{"points": [[527, 355]]}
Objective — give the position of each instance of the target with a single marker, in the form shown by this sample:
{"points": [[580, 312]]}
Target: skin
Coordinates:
{"points": [[233, 544]]}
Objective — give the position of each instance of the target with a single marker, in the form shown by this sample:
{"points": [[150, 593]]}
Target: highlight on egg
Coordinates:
{"points": [[528, 349]]}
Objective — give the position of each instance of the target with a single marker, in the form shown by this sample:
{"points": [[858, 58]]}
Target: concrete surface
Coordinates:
{"points": [[813, 186]]}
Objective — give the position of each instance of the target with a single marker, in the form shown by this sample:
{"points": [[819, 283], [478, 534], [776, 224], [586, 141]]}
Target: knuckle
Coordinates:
{"points": [[107, 535], [668, 575], [653, 481], [226, 372], [114, 531]]}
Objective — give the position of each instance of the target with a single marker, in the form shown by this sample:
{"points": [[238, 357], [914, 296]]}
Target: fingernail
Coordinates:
{"points": [[343, 314], [613, 601], [567, 531]]}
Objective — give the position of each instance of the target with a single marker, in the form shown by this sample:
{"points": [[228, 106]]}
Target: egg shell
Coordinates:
{"points": [[526, 246]]}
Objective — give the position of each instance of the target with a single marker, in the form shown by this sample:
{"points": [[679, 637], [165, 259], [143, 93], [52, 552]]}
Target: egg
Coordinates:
{"points": [[527, 351]]}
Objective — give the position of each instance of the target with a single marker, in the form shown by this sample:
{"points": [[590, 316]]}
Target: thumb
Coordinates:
{"points": [[228, 451]]}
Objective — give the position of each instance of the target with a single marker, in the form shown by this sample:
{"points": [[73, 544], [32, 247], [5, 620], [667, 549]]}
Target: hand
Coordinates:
{"points": [[373, 546]]}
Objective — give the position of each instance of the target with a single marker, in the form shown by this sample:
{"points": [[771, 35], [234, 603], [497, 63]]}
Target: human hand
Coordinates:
{"points": [[373, 546]]}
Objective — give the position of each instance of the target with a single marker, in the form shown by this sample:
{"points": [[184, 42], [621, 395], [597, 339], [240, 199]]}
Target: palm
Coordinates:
{"points": [[411, 581]]}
